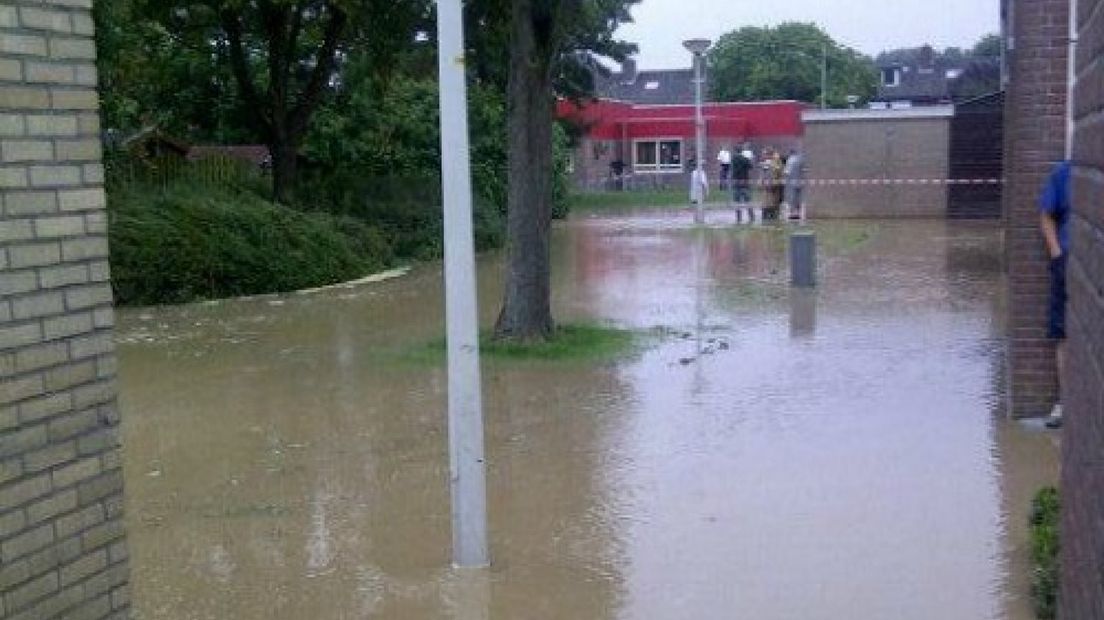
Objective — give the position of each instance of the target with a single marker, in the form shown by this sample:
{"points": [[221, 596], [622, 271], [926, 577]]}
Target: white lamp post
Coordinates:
{"points": [[465, 403], [697, 49]]}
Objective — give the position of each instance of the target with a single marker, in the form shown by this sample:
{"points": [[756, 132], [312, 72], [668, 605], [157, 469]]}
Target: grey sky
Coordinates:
{"points": [[869, 26]]}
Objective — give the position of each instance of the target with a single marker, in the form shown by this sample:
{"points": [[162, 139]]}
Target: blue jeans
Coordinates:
{"points": [[743, 192], [1056, 319]]}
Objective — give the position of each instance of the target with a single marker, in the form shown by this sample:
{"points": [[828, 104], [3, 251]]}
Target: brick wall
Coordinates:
{"points": [[863, 144], [62, 552], [1082, 594], [1035, 114]]}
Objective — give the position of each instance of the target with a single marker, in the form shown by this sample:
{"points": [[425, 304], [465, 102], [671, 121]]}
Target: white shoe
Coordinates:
{"points": [[1055, 419]]}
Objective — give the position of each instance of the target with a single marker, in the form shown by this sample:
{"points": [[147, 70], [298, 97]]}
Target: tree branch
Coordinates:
{"points": [[275, 20], [323, 69], [232, 24], [296, 29]]}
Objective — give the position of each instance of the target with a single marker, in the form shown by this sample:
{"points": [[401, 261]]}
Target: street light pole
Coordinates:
{"points": [[467, 468], [824, 79], [697, 49]]}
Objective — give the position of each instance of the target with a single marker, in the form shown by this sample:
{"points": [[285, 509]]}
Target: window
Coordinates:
{"points": [[891, 77], [651, 86], [658, 156]]}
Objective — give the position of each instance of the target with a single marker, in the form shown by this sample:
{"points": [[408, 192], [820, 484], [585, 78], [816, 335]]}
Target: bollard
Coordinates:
{"points": [[803, 259]]}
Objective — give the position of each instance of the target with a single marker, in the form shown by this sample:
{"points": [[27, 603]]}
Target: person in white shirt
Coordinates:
{"points": [[794, 179], [724, 157]]}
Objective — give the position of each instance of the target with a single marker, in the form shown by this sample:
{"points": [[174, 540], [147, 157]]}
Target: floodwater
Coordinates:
{"points": [[771, 454]]}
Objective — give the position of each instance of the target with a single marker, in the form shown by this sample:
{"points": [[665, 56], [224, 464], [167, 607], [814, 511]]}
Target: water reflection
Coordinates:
{"points": [[777, 454], [803, 313]]}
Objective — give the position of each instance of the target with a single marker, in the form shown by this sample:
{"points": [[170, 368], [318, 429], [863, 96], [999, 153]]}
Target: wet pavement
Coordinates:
{"points": [[774, 454]]}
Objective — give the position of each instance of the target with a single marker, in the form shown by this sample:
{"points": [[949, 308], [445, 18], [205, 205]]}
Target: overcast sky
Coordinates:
{"points": [[869, 26]]}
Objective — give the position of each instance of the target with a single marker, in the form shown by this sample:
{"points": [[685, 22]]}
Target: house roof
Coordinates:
{"points": [[666, 87], [924, 78], [148, 135]]}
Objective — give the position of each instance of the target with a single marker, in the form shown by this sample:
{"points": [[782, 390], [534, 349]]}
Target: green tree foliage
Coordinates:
{"points": [[273, 62], [989, 46], [152, 74], [362, 126], [784, 62], [395, 132]]}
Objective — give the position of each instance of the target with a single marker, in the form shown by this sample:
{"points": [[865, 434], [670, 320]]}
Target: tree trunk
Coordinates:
{"points": [[285, 162], [527, 310]]}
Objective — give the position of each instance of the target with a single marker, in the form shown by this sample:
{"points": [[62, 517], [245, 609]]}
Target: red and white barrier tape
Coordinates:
{"points": [[830, 182]]}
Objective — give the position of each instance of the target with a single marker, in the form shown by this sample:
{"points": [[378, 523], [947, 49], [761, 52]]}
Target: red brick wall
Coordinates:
{"points": [[1082, 594], [1035, 140]]}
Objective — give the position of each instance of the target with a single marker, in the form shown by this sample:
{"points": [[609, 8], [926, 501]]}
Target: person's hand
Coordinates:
{"points": [[1055, 253]]}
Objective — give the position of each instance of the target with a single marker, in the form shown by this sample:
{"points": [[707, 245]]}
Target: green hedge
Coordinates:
{"points": [[1045, 512], [181, 243]]}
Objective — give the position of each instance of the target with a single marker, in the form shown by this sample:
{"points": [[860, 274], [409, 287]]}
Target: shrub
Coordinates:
{"points": [[1045, 510], [182, 243]]}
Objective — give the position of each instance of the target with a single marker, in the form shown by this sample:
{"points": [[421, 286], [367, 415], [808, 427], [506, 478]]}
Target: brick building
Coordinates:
{"points": [[1037, 34], [62, 551], [1042, 121], [1082, 590], [639, 132], [872, 146]]}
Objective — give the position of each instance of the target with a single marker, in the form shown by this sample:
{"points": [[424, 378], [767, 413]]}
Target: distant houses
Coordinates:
{"points": [[926, 78]]}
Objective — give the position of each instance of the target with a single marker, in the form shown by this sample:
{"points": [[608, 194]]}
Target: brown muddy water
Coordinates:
{"points": [[773, 454]]}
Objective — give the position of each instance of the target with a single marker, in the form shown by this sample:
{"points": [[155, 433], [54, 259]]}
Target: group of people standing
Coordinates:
{"points": [[779, 177]]}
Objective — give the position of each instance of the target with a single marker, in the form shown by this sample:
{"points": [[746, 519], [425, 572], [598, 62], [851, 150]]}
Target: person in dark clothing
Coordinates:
{"points": [[741, 173], [1054, 207]]}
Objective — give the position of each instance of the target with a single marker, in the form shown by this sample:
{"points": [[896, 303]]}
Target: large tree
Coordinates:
{"points": [[275, 60], [785, 62], [285, 54], [154, 73], [989, 46], [548, 41]]}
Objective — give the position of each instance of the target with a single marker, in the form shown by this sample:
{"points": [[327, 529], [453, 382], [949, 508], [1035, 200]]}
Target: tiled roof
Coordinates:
{"points": [[670, 87], [916, 84]]}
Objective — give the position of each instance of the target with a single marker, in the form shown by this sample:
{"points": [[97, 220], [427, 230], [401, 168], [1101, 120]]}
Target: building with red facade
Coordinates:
{"points": [[639, 132]]}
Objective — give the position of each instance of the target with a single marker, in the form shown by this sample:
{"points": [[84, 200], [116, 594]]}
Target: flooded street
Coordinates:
{"points": [[769, 454]]}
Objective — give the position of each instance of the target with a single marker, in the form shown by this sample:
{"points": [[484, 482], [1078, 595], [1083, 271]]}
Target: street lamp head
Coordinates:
{"points": [[697, 46]]}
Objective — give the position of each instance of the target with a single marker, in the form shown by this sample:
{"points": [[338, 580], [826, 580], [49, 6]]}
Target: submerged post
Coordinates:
{"points": [[465, 403], [803, 259]]}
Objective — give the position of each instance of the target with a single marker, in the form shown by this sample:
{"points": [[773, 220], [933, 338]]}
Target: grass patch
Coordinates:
{"points": [[1045, 509], [628, 200], [570, 343]]}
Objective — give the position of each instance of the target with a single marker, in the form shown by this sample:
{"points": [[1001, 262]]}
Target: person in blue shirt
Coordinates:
{"points": [[1054, 207]]}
